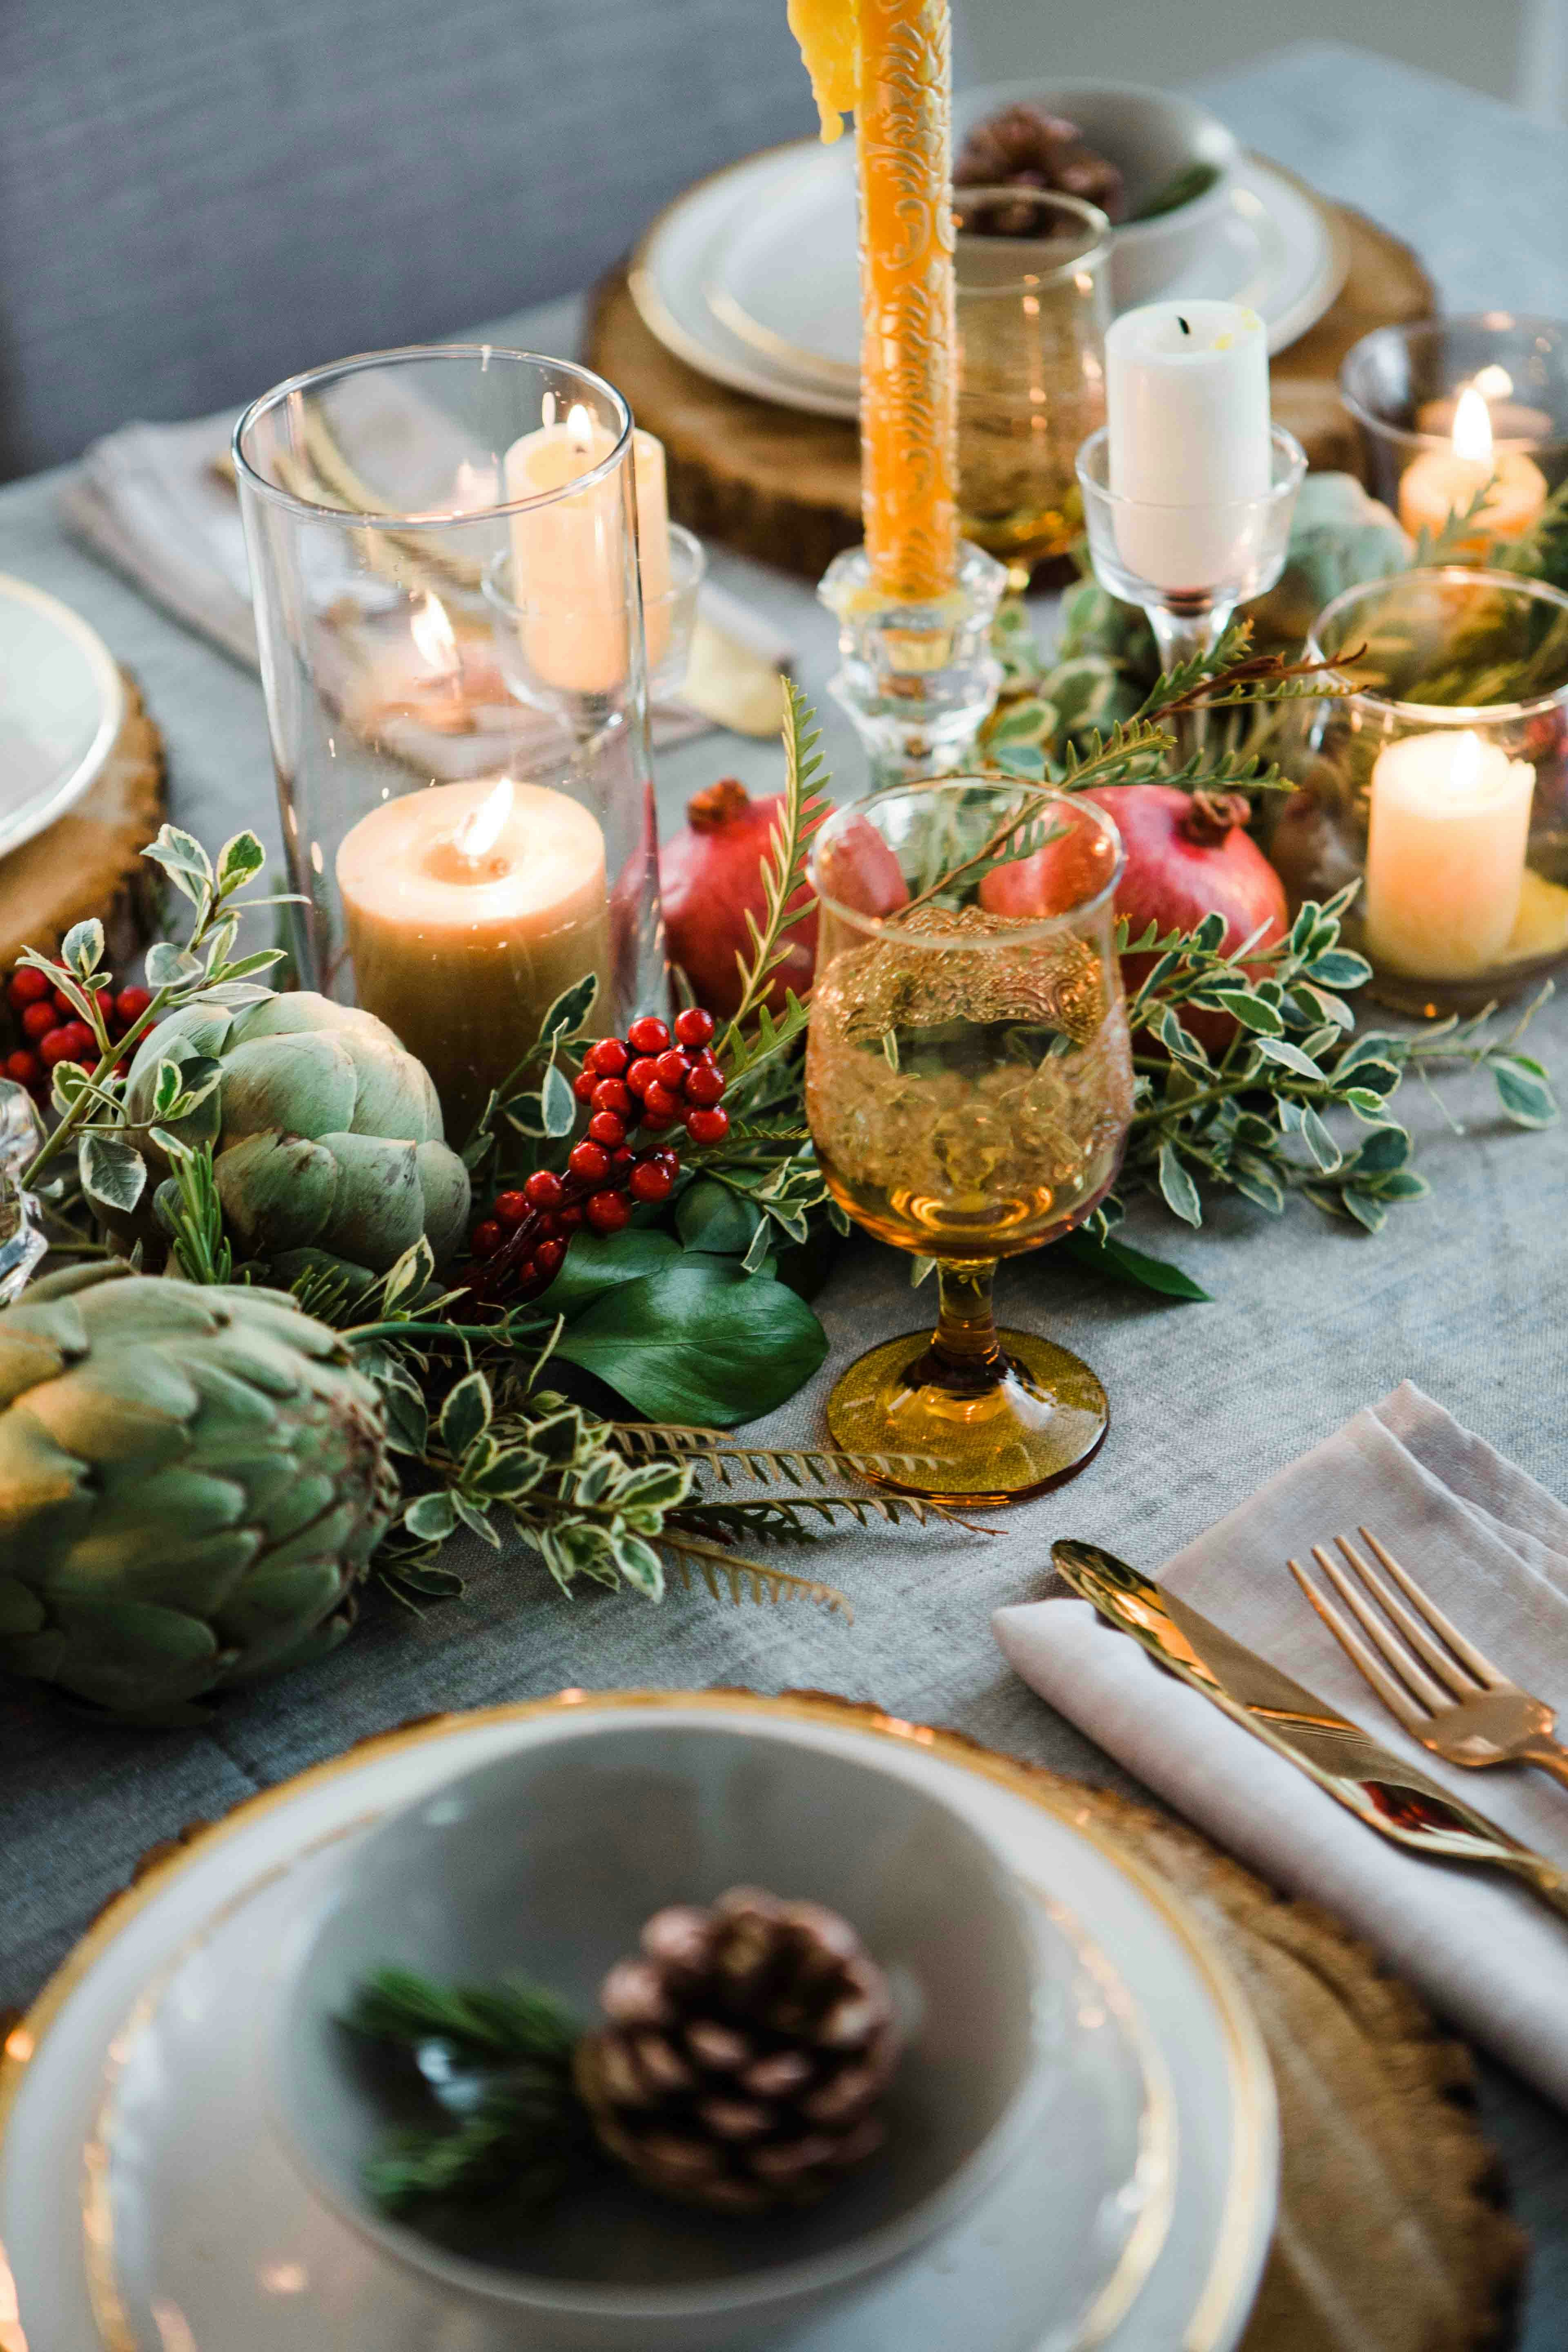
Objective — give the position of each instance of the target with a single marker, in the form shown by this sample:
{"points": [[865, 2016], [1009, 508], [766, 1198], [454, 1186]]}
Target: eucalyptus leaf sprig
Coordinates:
{"points": [[91, 1103], [1254, 1116]]}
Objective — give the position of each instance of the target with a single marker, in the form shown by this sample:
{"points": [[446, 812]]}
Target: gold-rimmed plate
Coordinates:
{"points": [[1202, 2282], [193, 2205], [751, 276]]}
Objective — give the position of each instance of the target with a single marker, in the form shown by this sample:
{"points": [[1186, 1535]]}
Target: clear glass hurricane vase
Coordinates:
{"points": [[468, 817]]}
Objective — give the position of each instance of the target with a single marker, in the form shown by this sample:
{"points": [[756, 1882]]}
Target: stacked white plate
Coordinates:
{"points": [[62, 704], [148, 2203], [751, 276]]}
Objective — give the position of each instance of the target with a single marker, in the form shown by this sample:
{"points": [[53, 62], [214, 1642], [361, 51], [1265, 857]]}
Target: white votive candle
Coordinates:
{"points": [[1444, 482], [1445, 855], [468, 909], [1186, 398]]}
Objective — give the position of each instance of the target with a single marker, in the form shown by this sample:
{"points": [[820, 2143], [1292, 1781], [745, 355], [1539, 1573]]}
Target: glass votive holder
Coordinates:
{"points": [[1188, 566], [669, 616], [1445, 406], [466, 852], [1032, 304], [1439, 778]]}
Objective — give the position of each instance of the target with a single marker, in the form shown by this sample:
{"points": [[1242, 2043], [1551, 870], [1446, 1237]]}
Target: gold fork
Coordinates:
{"points": [[1449, 1698]]}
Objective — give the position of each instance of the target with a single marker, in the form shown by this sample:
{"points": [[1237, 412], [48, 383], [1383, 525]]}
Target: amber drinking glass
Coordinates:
{"points": [[1032, 304], [969, 1084]]}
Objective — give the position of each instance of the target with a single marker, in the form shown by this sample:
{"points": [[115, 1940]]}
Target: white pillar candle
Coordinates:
{"points": [[1186, 397], [567, 562], [468, 909], [1445, 855]]}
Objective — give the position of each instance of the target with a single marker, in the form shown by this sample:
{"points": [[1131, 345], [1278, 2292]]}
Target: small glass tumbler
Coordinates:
{"points": [[969, 1085], [466, 850], [1032, 304], [1439, 778], [1403, 385], [1188, 566]]}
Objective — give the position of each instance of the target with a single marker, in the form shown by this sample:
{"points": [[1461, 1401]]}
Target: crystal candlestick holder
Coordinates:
{"points": [[1188, 566], [918, 676]]}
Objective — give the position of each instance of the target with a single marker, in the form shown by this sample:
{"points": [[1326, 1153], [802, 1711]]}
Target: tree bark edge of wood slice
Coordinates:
{"points": [[783, 485], [89, 861]]}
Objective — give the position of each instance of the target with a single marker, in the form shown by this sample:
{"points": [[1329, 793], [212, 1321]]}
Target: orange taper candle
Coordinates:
{"points": [[900, 54]]}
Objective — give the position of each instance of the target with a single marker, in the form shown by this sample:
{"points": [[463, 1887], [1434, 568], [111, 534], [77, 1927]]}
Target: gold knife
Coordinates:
{"points": [[1395, 1799]]}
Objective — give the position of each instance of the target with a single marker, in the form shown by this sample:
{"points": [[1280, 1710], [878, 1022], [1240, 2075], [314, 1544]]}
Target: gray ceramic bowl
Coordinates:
{"points": [[545, 1864], [1153, 135]]}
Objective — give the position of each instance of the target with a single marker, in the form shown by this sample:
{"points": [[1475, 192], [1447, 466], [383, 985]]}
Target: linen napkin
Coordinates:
{"points": [[158, 502], [1490, 1546]]}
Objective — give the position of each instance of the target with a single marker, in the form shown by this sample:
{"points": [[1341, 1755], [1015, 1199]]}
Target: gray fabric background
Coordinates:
{"points": [[1464, 1295], [198, 197]]}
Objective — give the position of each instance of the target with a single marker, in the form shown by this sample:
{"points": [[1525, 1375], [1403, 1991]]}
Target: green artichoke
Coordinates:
{"points": [[192, 1482], [326, 1132]]}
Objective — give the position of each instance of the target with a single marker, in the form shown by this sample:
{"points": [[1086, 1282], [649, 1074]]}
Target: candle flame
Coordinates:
{"points": [[475, 488], [433, 634], [481, 829], [580, 427], [1473, 427]]}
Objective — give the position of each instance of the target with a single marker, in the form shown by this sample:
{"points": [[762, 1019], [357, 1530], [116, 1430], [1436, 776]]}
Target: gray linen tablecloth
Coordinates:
{"points": [[1463, 1294]]}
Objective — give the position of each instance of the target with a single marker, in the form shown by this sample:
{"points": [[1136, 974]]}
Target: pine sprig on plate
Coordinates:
{"points": [[506, 2049]]}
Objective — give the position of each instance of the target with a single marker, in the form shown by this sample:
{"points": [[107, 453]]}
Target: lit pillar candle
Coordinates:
{"points": [[1447, 831], [567, 560], [468, 909], [1186, 400], [1445, 481], [890, 60]]}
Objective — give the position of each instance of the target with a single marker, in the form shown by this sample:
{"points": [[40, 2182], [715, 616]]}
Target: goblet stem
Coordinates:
{"points": [[1183, 633], [966, 1341]]}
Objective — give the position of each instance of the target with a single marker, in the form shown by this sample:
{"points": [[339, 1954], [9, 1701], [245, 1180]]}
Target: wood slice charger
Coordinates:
{"points": [[89, 862], [786, 486]]}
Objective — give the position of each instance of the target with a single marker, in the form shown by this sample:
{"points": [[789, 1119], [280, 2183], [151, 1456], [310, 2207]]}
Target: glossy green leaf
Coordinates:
{"points": [[597, 1263], [1121, 1263], [699, 1343], [710, 1217]]}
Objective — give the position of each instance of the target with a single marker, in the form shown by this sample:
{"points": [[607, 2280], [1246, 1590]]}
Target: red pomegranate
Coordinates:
{"points": [[709, 877], [1188, 855], [857, 868]]}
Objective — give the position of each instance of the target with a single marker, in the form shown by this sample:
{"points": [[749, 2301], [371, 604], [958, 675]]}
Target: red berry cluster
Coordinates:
{"points": [[55, 1030], [645, 1081]]}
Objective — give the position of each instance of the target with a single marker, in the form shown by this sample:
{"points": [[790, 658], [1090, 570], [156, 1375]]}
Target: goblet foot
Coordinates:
{"points": [[1016, 1422]]}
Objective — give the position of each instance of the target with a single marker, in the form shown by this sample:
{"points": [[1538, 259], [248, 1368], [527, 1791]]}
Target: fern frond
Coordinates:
{"points": [[781, 1519], [745, 1580], [786, 888], [716, 1450]]}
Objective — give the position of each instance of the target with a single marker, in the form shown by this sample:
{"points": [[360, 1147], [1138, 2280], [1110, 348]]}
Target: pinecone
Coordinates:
{"points": [[1024, 147], [746, 2051]]}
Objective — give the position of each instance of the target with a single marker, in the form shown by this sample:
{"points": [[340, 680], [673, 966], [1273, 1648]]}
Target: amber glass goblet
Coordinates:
{"points": [[969, 1084]]}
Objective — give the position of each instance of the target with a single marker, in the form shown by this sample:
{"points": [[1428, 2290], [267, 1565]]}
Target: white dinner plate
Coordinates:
{"points": [[1203, 2279], [751, 276], [200, 2209], [62, 703]]}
